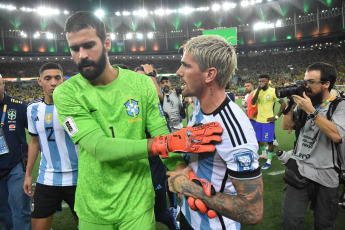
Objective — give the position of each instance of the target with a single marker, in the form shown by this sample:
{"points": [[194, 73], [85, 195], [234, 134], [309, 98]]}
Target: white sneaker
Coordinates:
{"points": [[275, 143]]}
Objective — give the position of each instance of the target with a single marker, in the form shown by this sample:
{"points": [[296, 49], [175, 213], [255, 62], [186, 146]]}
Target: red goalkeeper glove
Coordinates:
{"points": [[191, 139], [197, 204]]}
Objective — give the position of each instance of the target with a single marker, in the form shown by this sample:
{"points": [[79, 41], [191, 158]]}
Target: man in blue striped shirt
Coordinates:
{"points": [[58, 170]]}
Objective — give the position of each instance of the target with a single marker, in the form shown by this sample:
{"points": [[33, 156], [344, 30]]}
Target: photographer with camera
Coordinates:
{"points": [[172, 105], [310, 175]]}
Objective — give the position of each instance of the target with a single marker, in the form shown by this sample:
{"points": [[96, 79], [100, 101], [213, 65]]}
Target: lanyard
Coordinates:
{"points": [[331, 98], [3, 115]]}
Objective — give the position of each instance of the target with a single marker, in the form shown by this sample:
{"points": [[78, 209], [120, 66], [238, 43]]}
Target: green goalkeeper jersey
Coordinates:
{"points": [[113, 191]]}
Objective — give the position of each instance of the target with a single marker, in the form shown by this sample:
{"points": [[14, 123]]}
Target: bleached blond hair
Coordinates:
{"points": [[214, 51]]}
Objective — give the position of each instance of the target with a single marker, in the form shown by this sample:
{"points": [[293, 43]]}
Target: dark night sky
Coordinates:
{"points": [[110, 5]]}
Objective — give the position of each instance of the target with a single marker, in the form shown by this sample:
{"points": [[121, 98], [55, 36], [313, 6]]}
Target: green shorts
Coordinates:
{"points": [[144, 222]]}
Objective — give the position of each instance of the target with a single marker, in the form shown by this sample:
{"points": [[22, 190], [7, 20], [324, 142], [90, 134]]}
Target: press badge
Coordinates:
{"points": [[3, 144]]}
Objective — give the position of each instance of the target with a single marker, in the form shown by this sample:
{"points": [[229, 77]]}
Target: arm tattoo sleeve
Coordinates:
{"points": [[246, 207]]}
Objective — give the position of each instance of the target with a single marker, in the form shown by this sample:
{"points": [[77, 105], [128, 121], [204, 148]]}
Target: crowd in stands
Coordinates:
{"points": [[283, 67]]}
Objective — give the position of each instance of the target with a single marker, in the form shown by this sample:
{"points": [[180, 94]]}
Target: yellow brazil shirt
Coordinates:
{"points": [[265, 103]]}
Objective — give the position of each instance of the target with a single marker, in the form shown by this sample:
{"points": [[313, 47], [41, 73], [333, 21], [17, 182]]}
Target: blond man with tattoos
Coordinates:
{"points": [[233, 169]]}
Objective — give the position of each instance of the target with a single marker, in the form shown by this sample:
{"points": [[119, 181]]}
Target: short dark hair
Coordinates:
{"points": [[50, 65], [86, 20], [328, 72], [163, 78], [249, 82], [264, 76]]}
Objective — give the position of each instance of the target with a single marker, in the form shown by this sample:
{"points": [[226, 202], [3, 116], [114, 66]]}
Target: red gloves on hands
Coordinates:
{"points": [[197, 204], [191, 139]]}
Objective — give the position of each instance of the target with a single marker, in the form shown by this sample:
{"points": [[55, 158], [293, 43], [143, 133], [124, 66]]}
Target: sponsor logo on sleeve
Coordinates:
{"points": [[70, 126], [244, 161]]}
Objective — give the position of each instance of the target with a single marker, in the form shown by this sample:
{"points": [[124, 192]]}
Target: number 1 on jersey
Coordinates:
{"points": [[112, 131]]}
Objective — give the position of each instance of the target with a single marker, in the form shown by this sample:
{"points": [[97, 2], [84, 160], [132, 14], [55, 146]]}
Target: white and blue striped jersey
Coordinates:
{"points": [[59, 155], [235, 157]]}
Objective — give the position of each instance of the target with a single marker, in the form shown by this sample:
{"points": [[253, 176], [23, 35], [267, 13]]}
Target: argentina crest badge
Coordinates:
{"points": [[132, 108]]}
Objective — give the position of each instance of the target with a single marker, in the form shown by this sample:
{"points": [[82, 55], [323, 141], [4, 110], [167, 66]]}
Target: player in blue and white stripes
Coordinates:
{"points": [[58, 170], [208, 64]]}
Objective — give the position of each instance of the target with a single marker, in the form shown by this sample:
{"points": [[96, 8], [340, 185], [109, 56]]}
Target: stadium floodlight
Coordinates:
{"points": [[26, 9], [229, 5], [215, 7], [258, 1], [65, 12], [23, 34], [159, 12], [44, 11], [186, 10], [150, 35], [279, 23], [140, 36], [263, 25], [169, 11], [129, 36], [99, 13], [37, 35], [245, 3], [118, 13], [49, 35], [10, 7], [202, 9], [112, 36], [126, 13], [142, 13]]}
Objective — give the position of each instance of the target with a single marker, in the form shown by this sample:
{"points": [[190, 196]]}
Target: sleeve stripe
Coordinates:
{"points": [[244, 175]]}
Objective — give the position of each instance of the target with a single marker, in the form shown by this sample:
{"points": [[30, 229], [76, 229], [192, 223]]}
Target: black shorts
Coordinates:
{"points": [[47, 200]]}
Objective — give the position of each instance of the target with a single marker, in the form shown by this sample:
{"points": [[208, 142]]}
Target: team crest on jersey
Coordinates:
{"points": [[12, 114], [49, 118], [244, 160], [132, 108]]}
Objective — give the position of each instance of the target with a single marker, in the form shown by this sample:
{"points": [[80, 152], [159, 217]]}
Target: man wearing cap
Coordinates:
{"points": [[172, 105]]}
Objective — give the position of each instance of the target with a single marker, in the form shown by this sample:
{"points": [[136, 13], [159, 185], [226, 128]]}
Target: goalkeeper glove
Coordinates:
{"points": [[197, 204], [191, 139]]}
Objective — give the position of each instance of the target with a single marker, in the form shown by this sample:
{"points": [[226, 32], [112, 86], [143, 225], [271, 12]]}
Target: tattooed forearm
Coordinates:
{"points": [[246, 207]]}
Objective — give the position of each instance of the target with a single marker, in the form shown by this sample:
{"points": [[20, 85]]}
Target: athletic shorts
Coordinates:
{"points": [[47, 200], [264, 131], [146, 221], [253, 122]]}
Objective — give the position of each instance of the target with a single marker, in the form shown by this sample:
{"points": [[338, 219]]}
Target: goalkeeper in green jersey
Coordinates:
{"points": [[107, 110]]}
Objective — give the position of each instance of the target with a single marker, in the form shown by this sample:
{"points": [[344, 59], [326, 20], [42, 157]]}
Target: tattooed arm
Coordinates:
{"points": [[246, 207]]}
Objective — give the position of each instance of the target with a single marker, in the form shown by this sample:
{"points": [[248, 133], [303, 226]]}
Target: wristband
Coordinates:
{"points": [[276, 117], [160, 146], [151, 74]]}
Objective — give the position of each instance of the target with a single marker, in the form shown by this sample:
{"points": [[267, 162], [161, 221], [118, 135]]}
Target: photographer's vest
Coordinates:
{"points": [[314, 148]]}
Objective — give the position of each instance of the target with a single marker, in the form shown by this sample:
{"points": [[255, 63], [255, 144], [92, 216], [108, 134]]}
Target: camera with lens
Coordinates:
{"points": [[297, 88], [284, 156], [178, 90]]}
